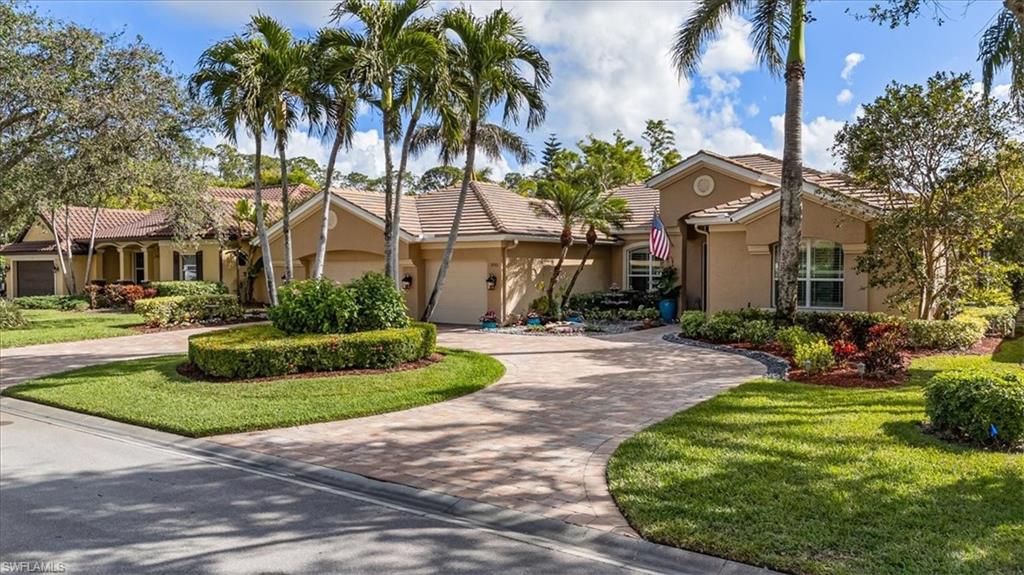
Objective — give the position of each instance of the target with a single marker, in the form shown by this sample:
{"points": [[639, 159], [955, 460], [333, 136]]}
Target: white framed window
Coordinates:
{"points": [[189, 267], [642, 269], [820, 280]]}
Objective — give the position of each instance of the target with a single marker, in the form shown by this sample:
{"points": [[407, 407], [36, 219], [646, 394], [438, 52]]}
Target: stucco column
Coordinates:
{"points": [[145, 263], [166, 261], [120, 262]]}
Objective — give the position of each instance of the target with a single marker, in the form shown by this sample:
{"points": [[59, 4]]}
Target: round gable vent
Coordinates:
{"points": [[703, 185], [332, 220]]}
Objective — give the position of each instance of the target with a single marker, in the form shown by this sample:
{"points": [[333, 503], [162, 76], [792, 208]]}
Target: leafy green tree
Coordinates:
{"points": [[621, 157], [488, 55], [774, 25], [439, 177], [661, 146], [934, 151], [229, 80], [233, 166]]}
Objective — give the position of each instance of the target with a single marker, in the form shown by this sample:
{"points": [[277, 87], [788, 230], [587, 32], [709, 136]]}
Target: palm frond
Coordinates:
{"points": [[701, 28]]}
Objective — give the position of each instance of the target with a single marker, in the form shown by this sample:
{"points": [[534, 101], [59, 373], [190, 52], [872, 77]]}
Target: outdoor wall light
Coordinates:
{"points": [[406, 281], [492, 281]]}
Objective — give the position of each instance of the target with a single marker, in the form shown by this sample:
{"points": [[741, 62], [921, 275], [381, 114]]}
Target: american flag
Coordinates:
{"points": [[661, 248]]}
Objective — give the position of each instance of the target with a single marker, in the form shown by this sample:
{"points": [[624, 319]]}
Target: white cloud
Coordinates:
{"points": [[845, 96], [731, 51], [999, 91], [849, 63], [818, 137], [753, 109]]}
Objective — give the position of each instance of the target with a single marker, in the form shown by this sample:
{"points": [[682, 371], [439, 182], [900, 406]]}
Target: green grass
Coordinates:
{"points": [[813, 479], [52, 326], [151, 393]]}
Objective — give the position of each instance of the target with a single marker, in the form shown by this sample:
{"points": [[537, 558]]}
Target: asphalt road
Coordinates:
{"points": [[79, 502]]}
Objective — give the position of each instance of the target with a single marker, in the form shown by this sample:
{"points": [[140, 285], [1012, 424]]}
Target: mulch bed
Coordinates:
{"points": [[191, 371], [181, 326], [847, 376]]}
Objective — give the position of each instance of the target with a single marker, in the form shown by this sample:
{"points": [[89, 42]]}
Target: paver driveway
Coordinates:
{"points": [[536, 441]]}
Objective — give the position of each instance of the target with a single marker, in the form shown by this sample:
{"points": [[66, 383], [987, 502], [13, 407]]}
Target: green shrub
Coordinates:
{"points": [[265, 351], [845, 326], [721, 327], [170, 288], [968, 403], [790, 337], [314, 306], [691, 322], [11, 316], [756, 314], [379, 303], [755, 332], [961, 332], [814, 356], [177, 309], [1000, 319], [542, 306], [639, 314], [57, 302]]}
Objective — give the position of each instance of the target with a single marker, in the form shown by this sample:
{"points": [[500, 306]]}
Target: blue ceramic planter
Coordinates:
{"points": [[533, 321], [668, 308], [489, 325], [574, 319]]}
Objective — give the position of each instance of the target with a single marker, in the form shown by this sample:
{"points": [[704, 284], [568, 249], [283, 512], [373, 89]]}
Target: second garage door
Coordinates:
{"points": [[464, 297], [35, 278]]}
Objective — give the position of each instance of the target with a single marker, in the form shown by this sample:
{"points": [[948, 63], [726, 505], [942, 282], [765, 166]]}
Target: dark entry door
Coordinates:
{"points": [[35, 278]]}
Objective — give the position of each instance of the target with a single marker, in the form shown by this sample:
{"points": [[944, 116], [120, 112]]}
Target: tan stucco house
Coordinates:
{"points": [[721, 213]]}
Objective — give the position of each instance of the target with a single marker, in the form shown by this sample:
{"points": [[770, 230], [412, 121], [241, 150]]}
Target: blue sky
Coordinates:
{"points": [[612, 70]]}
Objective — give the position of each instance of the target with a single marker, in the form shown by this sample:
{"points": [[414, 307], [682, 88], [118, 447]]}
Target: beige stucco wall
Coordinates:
{"points": [[679, 200], [528, 268]]}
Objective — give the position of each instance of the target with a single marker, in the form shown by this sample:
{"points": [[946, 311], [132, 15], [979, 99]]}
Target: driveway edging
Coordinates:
{"points": [[778, 368], [612, 548]]}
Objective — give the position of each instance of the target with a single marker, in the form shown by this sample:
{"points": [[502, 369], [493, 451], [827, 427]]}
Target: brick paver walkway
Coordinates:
{"points": [[536, 441], [24, 363]]}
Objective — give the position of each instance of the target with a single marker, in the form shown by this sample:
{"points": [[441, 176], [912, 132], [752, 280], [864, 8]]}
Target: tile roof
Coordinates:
{"points": [[643, 201], [373, 202], [38, 247], [80, 220]]}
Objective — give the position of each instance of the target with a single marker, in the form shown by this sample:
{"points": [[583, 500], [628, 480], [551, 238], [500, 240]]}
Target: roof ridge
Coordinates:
{"points": [[488, 209]]}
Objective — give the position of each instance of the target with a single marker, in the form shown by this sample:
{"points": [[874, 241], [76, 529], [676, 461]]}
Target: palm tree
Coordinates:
{"points": [[283, 65], [1002, 44], [606, 213], [774, 22], [486, 55], [229, 81], [394, 42], [568, 202], [331, 103]]}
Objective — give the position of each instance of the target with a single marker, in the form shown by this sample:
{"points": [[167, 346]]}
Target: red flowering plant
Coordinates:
{"points": [[882, 352], [489, 317], [843, 349]]}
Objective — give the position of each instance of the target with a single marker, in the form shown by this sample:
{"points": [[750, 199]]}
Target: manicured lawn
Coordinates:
{"points": [[150, 392], [815, 479], [51, 326]]}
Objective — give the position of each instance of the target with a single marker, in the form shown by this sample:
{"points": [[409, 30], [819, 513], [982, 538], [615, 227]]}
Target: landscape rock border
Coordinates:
{"points": [[778, 368]]}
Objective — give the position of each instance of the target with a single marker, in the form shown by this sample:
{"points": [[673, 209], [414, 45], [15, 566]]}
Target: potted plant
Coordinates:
{"points": [[573, 316], [489, 320], [668, 288], [533, 318]]}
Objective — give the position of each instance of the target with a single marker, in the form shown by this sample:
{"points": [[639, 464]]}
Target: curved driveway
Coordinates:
{"points": [[536, 441]]}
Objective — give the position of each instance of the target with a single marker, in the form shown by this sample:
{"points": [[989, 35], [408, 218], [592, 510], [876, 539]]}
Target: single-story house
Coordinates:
{"points": [[721, 214]]}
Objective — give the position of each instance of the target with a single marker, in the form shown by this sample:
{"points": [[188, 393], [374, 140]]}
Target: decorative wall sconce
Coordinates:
{"points": [[492, 281], [406, 281]]}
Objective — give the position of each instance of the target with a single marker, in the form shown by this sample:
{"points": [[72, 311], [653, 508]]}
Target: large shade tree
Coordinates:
{"points": [[487, 56], [777, 35], [230, 81]]}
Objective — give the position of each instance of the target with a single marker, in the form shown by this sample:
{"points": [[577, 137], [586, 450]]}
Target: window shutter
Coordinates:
{"points": [[177, 266], [199, 265]]}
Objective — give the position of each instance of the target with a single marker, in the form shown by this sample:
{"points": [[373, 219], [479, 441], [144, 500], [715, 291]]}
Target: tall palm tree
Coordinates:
{"points": [[1002, 45], [286, 77], [606, 213], [775, 22], [487, 55], [394, 41], [568, 203], [331, 104], [229, 80]]}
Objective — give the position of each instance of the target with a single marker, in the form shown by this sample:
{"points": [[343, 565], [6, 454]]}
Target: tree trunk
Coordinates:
{"points": [[396, 217], [92, 245], [325, 208], [1016, 7], [791, 207], [449, 248], [286, 224], [553, 308], [389, 194], [261, 227], [69, 282], [579, 270]]}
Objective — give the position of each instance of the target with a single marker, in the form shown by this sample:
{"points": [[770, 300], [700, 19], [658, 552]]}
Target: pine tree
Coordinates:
{"points": [[551, 148]]}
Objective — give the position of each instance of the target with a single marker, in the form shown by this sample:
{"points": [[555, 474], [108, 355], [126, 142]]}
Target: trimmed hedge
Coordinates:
{"points": [[170, 288], [11, 316], [960, 332], [1000, 319], [57, 302], [968, 403], [172, 310], [265, 351]]}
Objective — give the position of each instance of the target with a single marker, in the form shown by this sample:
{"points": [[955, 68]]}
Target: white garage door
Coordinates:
{"points": [[464, 297], [346, 271]]}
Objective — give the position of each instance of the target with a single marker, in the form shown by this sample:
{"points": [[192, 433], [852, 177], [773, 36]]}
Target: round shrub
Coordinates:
{"points": [[791, 337], [314, 306], [960, 332], [265, 351], [882, 352], [691, 322], [970, 403], [755, 332], [814, 356], [11, 316], [721, 327], [380, 304]]}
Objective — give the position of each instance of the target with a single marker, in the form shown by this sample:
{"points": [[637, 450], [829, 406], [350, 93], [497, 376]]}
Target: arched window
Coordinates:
{"points": [[821, 274], [642, 269]]}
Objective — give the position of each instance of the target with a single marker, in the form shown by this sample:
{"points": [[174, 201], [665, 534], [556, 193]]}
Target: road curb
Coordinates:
{"points": [[629, 552]]}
